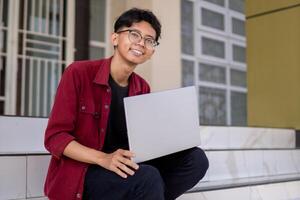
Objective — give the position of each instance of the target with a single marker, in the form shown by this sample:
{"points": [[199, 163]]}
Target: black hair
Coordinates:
{"points": [[135, 15]]}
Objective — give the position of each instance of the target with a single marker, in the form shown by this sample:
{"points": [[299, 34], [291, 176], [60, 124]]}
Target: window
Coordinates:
{"points": [[237, 5], [187, 73], [187, 27], [217, 2], [212, 19], [238, 26], [213, 47], [214, 58], [3, 50], [212, 73], [97, 29]]}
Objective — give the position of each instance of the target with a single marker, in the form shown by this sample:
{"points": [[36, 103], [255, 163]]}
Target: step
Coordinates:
{"points": [[227, 137], [277, 191], [234, 164]]}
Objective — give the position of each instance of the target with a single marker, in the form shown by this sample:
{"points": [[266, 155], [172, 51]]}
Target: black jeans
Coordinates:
{"points": [[163, 178]]}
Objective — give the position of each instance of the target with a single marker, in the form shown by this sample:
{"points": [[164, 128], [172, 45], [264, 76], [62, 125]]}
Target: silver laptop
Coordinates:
{"points": [[162, 123]]}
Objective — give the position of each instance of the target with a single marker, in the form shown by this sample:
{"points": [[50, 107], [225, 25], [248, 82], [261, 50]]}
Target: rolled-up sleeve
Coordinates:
{"points": [[61, 125]]}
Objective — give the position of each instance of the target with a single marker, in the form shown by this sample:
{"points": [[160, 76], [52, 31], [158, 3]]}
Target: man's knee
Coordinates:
{"points": [[150, 184], [199, 161], [150, 175]]}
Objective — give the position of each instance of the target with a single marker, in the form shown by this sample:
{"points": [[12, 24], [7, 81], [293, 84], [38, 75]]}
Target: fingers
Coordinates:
{"points": [[119, 172], [122, 164], [126, 153], [125, 158], [128, 162], [125, 169]]}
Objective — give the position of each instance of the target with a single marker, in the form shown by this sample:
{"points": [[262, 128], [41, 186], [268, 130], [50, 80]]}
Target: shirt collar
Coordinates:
{"points": [[102, 75]]}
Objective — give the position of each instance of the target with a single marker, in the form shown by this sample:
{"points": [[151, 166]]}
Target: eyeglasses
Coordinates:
{"points": [[135, 37]]}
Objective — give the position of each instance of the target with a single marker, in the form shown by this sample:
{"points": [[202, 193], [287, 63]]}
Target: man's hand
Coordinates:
{"points": [[119, 162]]}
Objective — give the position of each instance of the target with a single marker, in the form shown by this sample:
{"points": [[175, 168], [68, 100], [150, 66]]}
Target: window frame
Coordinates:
{"points": [[229, 38]]}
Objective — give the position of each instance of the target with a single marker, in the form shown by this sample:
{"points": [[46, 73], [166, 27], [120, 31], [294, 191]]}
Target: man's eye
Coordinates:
{"points": [[134, 34], [150, 41]]}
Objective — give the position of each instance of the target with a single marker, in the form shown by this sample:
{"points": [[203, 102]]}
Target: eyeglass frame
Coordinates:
{"points": [[142, 37]]}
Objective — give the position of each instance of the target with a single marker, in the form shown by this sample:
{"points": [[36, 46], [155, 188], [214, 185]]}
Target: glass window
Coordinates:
{"points": [[187, 68], [238, 78], [213, 47], [97, 20], [217, 2], [239, 53], [4, 13], [212, 106], [238, 109], [212, 73], [2, 75], [212, 19], [1, 107], [237, 5], [216, 72], [238, 26], [96, 52], [187, 27]]}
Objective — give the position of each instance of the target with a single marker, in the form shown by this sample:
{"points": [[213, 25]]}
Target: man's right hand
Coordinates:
{"points": [[119, 162]]}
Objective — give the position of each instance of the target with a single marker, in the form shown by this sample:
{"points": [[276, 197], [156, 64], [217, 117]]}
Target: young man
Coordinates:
{"points": [[87, 134]]}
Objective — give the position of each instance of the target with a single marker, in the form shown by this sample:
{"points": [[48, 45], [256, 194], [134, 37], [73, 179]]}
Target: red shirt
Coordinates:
{"points": [[80, 112]]}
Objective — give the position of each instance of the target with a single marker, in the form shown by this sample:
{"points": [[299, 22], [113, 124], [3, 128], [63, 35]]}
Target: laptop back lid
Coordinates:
{"points": [[162, 123]]}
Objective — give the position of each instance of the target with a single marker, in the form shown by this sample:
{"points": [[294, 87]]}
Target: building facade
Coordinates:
{"points": [[273, 35], [203, 44]]}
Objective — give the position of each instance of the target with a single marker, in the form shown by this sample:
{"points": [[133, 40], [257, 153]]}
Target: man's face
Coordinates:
{"points": [[130, 47]]}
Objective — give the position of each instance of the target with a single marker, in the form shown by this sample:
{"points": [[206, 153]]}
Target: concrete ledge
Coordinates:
{"points": [[21, 135], [239, 157], [227, 137], [242, 182], [277, 191]]}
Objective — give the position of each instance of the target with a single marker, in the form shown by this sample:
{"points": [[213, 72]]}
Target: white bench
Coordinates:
{"points": [[239, 157], [23, 158], [249, 163]]}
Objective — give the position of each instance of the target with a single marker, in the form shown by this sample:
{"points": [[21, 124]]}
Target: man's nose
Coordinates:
{"points": [[142, 42]]}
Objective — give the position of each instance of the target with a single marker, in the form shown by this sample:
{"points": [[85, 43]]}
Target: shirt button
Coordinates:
{"points": [[102, 129], [106, 106], [107, 90], [82, 107], [78, 195]]}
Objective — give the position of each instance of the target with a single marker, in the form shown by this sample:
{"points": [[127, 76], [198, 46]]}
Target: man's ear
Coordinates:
{"points": [[114, 39]]}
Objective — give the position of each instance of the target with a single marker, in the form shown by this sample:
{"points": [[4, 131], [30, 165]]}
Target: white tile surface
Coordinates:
{"points": [[246, 137], [242, 193], [293, 189], [37, 167], [272, 192], [282, 138], [296, 158], [284, 162], [13, 139], [226, 165], [277, 191], [254, 163], [269, 162], [192, 196], [214, 137], [218, 167], [237, 164], [241, 137], [254, 194], [13, 177]]}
